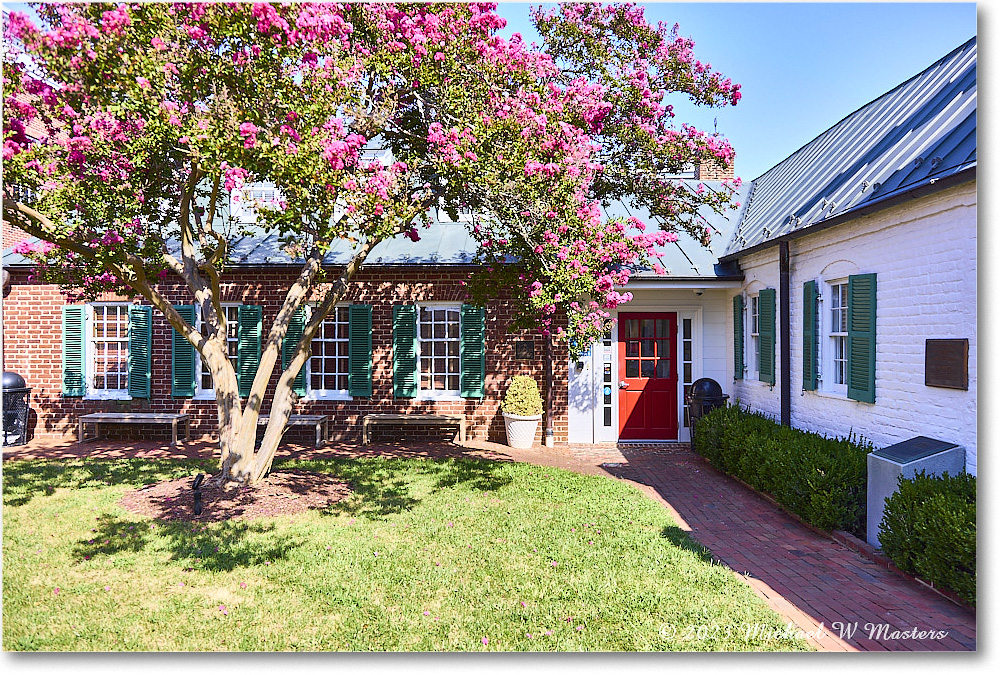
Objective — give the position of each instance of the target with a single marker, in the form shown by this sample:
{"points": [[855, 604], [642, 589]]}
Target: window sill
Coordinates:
{"points": [[326, 395], [109, 396], [834, 395], [439, 396]]}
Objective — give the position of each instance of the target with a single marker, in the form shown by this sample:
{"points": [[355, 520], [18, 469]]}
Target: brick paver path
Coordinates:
{"points": [[821, 586], [818, 585]]}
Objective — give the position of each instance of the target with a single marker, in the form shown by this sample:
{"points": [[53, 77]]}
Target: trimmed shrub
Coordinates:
{"points": [[823, 480], [522, 397], [929, 529]]}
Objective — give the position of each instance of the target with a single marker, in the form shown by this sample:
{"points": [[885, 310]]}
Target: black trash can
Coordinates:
{"points": [[704, 396], [15, 409]]}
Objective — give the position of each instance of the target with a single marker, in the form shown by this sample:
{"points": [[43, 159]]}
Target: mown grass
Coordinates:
{"points": [[426, 555]]}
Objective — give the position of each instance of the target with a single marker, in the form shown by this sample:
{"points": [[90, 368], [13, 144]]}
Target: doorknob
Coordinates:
{"points": [[623, 384]]}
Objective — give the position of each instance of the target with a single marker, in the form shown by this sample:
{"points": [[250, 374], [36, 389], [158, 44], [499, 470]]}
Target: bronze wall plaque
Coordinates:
{"points": [[524, 349], [946, 363]]}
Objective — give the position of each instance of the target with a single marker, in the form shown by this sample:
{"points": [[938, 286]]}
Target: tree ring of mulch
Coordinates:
{"points": [[280, 493]]}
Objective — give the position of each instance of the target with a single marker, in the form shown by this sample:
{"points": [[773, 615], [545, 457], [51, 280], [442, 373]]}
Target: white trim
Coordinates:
{"points": [[326, 394], [201, 394], [439, 394], [697, 361], [91, 393], [827, 376]]}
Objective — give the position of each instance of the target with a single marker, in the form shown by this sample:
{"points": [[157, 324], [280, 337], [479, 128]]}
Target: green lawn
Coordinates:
{"points": [[428, 555]]}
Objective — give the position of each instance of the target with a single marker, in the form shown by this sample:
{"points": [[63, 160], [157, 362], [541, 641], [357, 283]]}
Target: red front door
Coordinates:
{"points": [[647, 367]]}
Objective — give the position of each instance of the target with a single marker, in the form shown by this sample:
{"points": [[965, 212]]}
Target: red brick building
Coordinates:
{"points": [[408, 318]]}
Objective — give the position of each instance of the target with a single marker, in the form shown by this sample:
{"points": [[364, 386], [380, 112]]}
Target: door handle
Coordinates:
{"points": [[623, 384]]}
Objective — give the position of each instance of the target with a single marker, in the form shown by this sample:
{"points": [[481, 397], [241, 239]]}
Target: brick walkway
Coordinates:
{"points": [[819, 585]]}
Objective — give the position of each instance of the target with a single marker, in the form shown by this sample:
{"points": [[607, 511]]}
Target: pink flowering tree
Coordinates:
{"points": [[130, 129]]}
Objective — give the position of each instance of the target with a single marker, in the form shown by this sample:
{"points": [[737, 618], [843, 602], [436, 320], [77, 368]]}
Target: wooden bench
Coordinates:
{"points": [[321, 422], [134, 418], [415, 418]]}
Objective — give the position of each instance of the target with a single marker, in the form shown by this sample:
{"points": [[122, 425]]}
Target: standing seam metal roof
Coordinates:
{"points": [[922, 130]]}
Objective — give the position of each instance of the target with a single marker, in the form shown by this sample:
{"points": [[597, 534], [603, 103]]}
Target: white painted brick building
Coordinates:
{"points": [[923, 254]]}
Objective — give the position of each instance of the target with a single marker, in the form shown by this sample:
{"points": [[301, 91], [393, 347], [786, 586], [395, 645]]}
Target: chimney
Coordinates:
{"points": [[714, 170]]}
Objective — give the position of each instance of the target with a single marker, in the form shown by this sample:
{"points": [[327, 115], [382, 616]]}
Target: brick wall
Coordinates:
{"points": [[924, 256], [714, 171], [33, 347]]}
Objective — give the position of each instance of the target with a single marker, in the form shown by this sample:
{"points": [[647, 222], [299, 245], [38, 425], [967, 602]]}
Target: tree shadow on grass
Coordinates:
{"points": [[385, 487], [25, 480], [683, 540], [217, 547]]}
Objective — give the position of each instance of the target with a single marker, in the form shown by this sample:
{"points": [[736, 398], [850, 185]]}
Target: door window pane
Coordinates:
{"points": [[647, 367], [631, 368]]}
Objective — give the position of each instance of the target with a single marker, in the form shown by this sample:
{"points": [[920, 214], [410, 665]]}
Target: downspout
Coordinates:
{"points": [[549, 428], [785, 328]]}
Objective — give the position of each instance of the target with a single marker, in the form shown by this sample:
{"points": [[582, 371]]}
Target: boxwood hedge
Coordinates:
{"points": [[929, 529]]}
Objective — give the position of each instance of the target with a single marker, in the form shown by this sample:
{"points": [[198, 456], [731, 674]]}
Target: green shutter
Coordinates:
{"points": [[359, 373], [810, 336], [738, 337], [182, 361], [765, 332], [296, 326], [248, 346], [861, 337], [472, 351], [140, 342], [404, 351], [73, 321]]}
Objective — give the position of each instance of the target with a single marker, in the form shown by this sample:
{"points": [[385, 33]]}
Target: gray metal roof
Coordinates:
{"points": [[449, 243], [687, 258], [922, 131]]}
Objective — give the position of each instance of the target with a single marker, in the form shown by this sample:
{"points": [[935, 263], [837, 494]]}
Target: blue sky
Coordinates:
{"points": [[803, 66]]}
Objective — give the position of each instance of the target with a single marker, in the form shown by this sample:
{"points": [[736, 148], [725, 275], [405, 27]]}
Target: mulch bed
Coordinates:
{"points": [[281, 493]]}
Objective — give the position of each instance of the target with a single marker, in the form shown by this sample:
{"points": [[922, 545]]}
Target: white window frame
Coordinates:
{"points": [[326, 394], [829, 361], [93, 393], [439, 394], [753, 336], [241, 207], [201, 393]]}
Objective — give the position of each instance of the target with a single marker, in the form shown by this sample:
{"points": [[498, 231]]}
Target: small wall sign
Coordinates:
{"points": [[946, 363], [524, 349]]}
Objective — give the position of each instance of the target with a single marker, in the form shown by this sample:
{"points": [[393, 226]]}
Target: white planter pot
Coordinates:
{"points": [[521, 429]]}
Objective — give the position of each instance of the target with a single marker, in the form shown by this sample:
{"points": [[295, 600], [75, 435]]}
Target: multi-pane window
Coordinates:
{"points": [[687, 363], [755, 331], [329, 363], [109, 348], [838, 332], [648, 347], [232, 345], [439, 332]]}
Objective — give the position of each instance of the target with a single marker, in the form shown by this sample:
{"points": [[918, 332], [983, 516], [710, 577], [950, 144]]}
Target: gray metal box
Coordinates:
{"points": [[885, 466]]}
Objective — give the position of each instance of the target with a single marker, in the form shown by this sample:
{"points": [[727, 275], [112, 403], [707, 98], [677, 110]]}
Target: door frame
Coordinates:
{"points": [[610, 434]]}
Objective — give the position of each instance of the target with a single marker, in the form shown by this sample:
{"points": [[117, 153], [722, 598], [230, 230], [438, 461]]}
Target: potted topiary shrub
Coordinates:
{"points": [[522, 410]]}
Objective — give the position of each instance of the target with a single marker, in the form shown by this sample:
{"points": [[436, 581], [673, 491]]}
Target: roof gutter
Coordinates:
{"points": [[930, 187]]}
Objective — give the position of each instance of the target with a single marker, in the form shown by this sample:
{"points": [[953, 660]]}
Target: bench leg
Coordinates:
{"points": [[461, 431], [319, 425], [173, 432], [364, 432]]}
